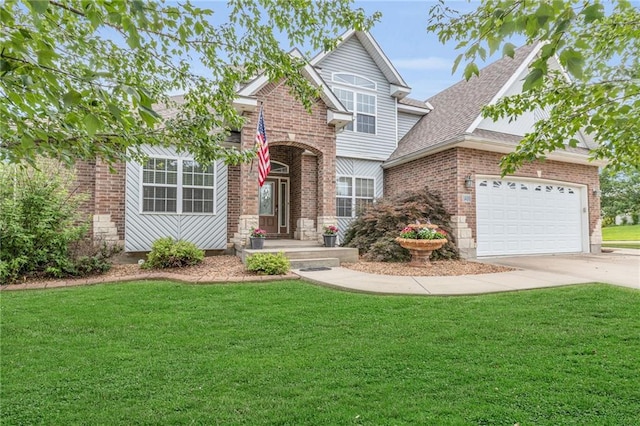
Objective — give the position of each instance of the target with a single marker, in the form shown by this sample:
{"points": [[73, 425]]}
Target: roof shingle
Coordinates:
{"points": [[456, 108]]}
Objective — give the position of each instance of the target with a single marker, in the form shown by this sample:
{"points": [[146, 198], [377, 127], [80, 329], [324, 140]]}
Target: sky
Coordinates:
{"points": [[420, 58], [423, 62]]}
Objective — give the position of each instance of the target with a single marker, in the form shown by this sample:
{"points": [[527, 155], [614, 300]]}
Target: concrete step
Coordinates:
{"points": [[343, 254], [327, 262]]}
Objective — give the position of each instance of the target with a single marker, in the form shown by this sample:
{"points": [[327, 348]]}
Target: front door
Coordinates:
{"points": [[274, 206], [269, 206]]}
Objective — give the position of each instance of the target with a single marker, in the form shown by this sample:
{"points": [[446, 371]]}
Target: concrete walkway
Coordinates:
{"points": [[622, 267]]}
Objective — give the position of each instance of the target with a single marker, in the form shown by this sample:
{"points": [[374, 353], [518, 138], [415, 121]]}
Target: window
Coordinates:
{"points": [[353, 194], [354, 80], [197, 187], [173, 185], [362, 105], [160, 185]]}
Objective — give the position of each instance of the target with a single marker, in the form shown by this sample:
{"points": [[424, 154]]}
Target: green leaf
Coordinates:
{"points": [[533, 80], [573, 61], [149, 116], [456, 63], [470, 70], [544, 13], [46, 56], [91, 123], [593, 12], [115, 111], [39, 6], [508, 50], [71, 98]]}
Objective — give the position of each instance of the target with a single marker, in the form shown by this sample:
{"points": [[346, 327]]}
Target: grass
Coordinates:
{"points": [[293, 353], [622, 245], [621, 233]]}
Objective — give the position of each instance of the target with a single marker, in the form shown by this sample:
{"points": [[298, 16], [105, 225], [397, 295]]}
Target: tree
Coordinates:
{"points": [[620, 193], [81, 79], [597, 46]]}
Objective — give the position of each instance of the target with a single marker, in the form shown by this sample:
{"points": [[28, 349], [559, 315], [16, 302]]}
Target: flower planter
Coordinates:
{"points": [[256, 243], [329, 240], [420, 250]]}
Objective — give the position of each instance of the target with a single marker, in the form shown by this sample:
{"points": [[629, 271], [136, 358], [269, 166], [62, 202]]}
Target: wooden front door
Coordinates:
{"points": [[269, 206]]}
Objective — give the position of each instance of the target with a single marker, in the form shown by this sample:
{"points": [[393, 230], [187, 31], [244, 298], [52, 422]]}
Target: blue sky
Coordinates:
{"points": [[419, 57]]}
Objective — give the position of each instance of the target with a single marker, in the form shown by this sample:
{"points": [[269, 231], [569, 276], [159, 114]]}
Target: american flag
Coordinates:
{"points": [[264, 161]]}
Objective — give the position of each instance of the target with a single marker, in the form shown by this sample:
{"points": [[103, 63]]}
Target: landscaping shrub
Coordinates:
{"points": [[40, 225], [608, 221], [374, 232], [169, 253], [269, 263]]}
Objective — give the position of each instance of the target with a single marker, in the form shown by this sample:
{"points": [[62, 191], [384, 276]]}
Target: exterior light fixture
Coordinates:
{"points": [[468, 182]]}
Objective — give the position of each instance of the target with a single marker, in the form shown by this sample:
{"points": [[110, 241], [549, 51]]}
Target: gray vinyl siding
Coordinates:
{"points": [[358, 168], [406, 122], [208, 232], [352, 58]]}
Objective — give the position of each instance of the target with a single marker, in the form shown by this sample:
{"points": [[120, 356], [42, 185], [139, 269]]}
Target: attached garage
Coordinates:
{"points": [[528, 217]]}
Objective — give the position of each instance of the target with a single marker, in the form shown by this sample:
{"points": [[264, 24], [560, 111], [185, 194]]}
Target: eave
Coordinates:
{"points": [[483, 144]]}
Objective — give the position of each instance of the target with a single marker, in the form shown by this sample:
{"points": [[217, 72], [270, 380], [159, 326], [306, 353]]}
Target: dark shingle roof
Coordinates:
{"points": [[456, 108]]}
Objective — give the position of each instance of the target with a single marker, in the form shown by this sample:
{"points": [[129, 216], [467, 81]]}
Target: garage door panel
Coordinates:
{"points": [[527, 218]]}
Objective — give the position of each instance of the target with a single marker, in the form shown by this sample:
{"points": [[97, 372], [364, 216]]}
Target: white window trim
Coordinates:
{"points": [[286, 168], [353, 193], [355, 106], [180, 159], [342, 83]]}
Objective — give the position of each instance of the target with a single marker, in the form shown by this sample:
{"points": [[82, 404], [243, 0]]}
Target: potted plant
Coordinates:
{"points": [[256, 238], [421, 240], [330, 235]]}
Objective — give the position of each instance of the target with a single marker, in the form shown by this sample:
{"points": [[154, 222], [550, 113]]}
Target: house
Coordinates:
{"points": [[549, 206], [363, 138]]}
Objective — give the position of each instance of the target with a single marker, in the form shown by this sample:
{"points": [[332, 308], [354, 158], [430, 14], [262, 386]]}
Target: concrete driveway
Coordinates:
{"points": [[621, 267]]}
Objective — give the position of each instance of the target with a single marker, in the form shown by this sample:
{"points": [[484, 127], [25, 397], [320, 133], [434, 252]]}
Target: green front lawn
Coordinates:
{"points": [[294, 353], [621, 233], [623, 245]]}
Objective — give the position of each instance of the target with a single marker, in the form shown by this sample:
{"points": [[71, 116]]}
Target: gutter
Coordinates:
{"points": [[482, 144]]}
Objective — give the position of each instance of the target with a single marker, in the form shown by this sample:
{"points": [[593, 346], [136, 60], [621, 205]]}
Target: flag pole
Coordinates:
{"points": [[264, 160], [259, 148]]}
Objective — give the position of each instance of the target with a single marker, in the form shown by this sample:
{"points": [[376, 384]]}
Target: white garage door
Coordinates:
{"points": [[520, 217]]}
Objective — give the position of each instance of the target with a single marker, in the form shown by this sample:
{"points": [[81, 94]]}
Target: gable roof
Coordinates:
{"points": [[457, 109], [310, 73], [373, 49]]}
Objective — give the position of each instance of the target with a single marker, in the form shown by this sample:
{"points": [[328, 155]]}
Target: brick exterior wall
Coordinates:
{"points": [[106, 192], [233, 199], [110, 193], [291, 131], [445, 172], [473, 162], [437, 172], [85, 183]]}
